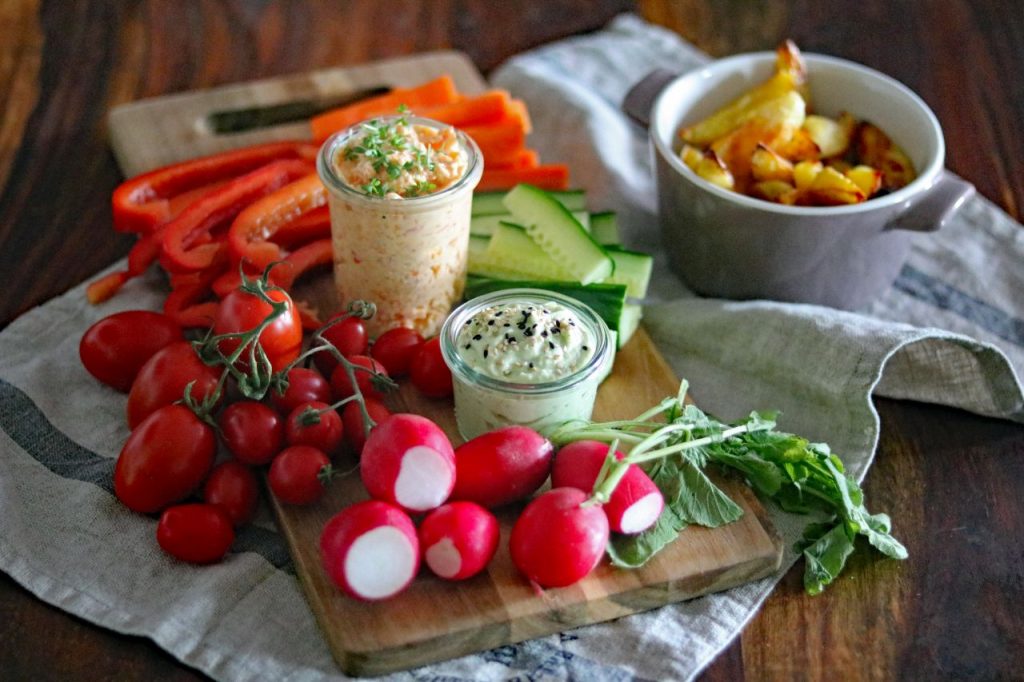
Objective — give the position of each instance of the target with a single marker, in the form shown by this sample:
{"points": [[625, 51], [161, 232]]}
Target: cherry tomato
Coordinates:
{"points": [[162, 381], [196, 533], [429, 372], [241, 311], [395, 348], [352, 418], [349, 337], [114, 349], [233, 487], [342, 387], [324, 434], [253, 432], [295, 474], [304, 385], [164, 459]]}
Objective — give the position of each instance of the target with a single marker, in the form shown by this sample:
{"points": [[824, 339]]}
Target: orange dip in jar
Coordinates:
{"points": [[400, 191]]}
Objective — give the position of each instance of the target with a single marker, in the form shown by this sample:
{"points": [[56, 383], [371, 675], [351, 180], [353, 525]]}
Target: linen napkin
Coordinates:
{"points": [[66, 538]]}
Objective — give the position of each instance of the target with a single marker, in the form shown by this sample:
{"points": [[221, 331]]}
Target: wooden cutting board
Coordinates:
{"points": [[436, 620]]}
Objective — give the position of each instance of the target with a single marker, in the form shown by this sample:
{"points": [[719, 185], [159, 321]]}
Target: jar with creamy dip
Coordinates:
{"points": [[524, 356], [400, 192]]}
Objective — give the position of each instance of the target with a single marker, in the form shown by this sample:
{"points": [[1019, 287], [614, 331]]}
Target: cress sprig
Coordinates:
{"points": [[675, 442]]}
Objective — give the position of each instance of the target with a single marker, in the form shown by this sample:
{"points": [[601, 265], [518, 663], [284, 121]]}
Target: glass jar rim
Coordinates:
{"points": [[462, 369], [334, 182]]}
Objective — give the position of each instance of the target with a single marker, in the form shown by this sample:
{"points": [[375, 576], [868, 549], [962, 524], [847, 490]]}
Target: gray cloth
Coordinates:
{"points": [[65, 537]]}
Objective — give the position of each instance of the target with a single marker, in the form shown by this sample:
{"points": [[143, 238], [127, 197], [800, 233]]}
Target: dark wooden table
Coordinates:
{"points": [[953, 482]]}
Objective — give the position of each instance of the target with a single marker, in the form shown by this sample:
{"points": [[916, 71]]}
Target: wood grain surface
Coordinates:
{"points": [[952, 482]]}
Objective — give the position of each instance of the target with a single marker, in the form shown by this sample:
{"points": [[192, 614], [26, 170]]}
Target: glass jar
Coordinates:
{"points": [[484, 402], [406, 255]]}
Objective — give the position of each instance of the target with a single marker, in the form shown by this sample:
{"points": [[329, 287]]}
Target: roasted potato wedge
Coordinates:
{"points": [[775, 124], [876, 149], [867, 178], [779, 191], [832, 138], [766, 165], [831, 188], [789, 77], [691, 156], [805, 172], [712, 169], [799, 147]]}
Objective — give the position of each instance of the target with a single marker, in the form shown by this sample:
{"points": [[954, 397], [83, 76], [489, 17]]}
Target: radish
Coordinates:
{"points": [[556, 541], [501, 466], [458, 539], [408, 461], [636, 503], [370, 550]]}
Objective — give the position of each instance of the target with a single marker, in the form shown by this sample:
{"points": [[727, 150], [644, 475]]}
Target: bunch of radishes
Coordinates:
{"points": [[372, 550]]}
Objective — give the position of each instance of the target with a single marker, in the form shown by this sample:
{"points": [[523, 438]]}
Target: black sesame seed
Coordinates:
{"points": [[551, 345], [507, 324], [585, 348], [528, 332], [490, 323], [498, 314], [468, 346], [477, 337], [531, 365], [469, 322], [485, 352]]}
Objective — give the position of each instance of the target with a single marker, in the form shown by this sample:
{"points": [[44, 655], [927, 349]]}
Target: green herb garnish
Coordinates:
{"points": [[379, 143]]}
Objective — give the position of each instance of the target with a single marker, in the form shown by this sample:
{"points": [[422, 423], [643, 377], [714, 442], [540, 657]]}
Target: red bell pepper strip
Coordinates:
{"points": [[228, 282], [302, 260], [308, 227], [184, 249], [184, 305], [309, 317], [144, 202], [247, 238], [142, 254], [105, 287]]}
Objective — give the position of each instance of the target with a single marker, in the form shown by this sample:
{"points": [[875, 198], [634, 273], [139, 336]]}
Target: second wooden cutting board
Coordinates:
{"points": [[435, 620]]}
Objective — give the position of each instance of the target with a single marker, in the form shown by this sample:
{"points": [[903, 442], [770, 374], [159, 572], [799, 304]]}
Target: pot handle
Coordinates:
{"points": [[933, 211], [640, 98]]}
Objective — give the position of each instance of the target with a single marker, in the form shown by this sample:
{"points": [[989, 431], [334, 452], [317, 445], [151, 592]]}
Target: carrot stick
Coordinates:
{"points": [[432, 93], [471, 111], [517, 109], [500, 143], [554, 176], [525, 158]]}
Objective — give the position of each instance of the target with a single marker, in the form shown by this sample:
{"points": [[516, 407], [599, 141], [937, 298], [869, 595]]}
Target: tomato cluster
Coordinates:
{"points": [[184, 407]]}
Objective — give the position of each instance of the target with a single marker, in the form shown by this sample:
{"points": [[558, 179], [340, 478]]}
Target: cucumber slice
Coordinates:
{"points": [[560, 235], [605, 228], [632, 269], [484, 225], [607, 300], [490, 203], [511, 254], [477, 245], [629, 320]]}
